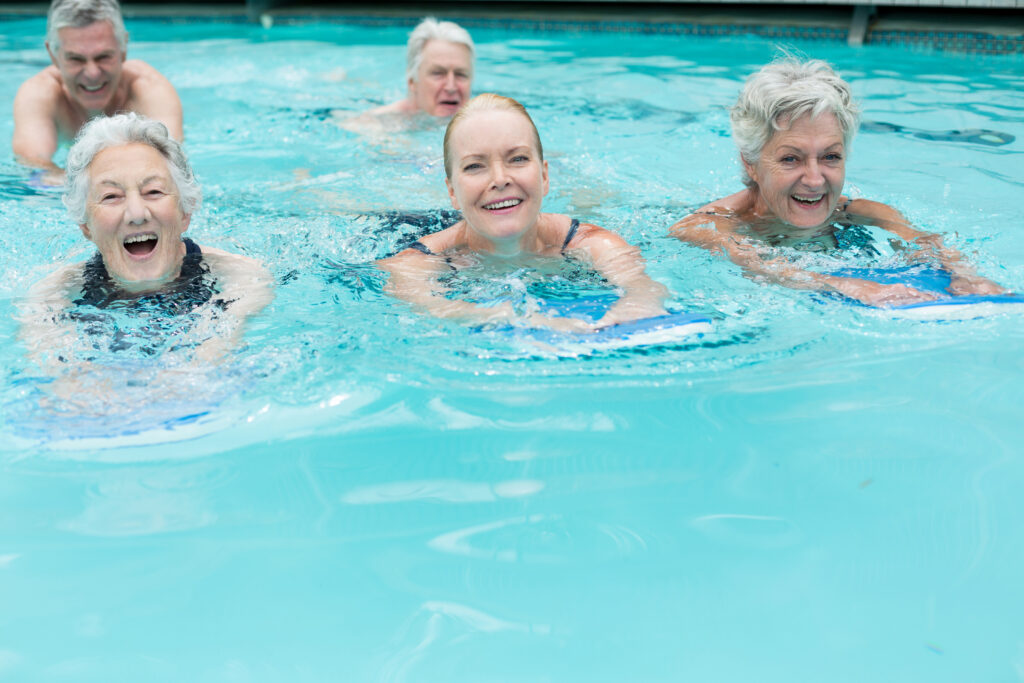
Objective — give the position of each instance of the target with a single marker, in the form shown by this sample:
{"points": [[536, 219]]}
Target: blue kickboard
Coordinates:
{"points": [[659, 330], [936, 281]]}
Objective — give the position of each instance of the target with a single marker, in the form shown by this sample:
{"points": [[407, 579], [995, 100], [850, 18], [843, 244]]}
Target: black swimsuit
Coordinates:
{"points": [[573, 227], [191, 289]]}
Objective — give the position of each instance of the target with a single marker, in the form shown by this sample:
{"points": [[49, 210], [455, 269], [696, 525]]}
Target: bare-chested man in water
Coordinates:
{"points": [[89, 77], [439, 75]]}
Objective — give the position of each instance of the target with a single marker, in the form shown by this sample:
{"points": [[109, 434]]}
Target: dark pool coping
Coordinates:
{"points": [[963, 31]]}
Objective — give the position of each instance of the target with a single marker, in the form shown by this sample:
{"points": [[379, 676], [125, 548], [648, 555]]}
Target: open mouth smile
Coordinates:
{"points": [[503, 204], [141, 245], [808, 201]]}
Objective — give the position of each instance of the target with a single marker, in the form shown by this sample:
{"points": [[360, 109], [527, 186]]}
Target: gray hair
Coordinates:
{"points": [[432, 29], [81, 13], [104, 132], [782, 92]]}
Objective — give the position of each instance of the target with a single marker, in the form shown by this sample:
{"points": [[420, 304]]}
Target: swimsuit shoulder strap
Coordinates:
{"points": [[191, 247], [422, 248], [573, 227]]}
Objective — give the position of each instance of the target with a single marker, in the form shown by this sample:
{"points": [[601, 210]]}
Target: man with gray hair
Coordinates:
{"points": [[438, 72], [89, 77]]}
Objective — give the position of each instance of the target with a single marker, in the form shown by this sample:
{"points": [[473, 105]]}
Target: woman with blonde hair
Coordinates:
{"points": [[497, 178]]}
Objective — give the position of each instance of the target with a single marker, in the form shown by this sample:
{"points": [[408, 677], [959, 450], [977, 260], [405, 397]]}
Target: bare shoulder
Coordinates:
{"points": [[43, 88], [389, 118], [437, 242], [452, 237], [137, 70], [399, 107], [233, 262], [869, 211], [54, 289], [591, 234], [710, 222]]}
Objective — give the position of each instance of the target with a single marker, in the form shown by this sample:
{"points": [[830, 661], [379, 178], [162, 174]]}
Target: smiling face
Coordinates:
{"points": [[498, 179], [133, 215], [801, 172], [443, 79], [89, 60]]}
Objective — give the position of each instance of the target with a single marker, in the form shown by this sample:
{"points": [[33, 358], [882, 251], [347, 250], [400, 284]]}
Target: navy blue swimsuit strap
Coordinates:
{"points": [[422, 248], [573, 227], [191, 247]]}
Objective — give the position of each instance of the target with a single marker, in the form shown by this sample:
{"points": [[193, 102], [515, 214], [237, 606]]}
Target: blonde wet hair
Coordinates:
{"points": [[485, 102]]}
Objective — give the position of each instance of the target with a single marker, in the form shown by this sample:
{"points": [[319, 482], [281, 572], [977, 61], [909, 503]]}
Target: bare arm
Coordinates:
{"points": [[621, 264], [247, 287], [35, 123], [49, 340], [964, 278], [717, 234], [414, 278]]}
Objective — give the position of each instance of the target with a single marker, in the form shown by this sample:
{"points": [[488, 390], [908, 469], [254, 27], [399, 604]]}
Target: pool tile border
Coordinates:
{"points": [[958, 42]]}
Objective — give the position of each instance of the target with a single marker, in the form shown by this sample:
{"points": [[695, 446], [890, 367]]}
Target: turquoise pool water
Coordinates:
{"points": [[810, 492]]}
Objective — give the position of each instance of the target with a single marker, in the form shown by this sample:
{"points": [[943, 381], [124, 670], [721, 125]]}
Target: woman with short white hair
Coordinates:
{"points": [[132, 192], [793, 124]]}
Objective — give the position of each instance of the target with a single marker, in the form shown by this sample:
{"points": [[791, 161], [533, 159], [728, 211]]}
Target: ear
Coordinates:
{"points": [[53, 57], [85, 231], [186, 220], [751, 169], [544, 176], [451, 194]]}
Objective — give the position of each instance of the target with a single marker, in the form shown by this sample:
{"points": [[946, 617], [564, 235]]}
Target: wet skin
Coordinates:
{"points": [[134, 217], [90, 60], [443, 79], [800, 172], [498, 180]]}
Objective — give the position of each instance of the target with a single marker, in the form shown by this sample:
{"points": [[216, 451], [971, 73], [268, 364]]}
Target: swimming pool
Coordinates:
{"points": [[810, 492]]}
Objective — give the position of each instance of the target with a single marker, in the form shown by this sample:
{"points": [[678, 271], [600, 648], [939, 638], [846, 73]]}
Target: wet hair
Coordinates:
{"points": [[432, 29], [104, 132], [82, 13], [485, 102], [783, 91]]}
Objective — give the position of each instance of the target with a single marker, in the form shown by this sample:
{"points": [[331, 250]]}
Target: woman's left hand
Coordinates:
{"points": [[961, 285]]}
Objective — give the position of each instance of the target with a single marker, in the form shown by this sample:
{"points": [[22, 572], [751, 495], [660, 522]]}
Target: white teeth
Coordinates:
{"points": [[93, 88], [504, 204], [808, 200], [143, 237]]}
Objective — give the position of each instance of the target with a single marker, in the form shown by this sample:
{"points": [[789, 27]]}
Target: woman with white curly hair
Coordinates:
{"points": [[132, 192], [793, 124]]}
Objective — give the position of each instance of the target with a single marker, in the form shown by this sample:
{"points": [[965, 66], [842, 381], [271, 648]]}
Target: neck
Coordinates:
{"points": [[527, 242]]}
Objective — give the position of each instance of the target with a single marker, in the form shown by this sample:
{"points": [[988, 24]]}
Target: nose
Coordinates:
{"points": [[499, 176], [449, 81], [812, 174], [135, 212], [92, 70]]}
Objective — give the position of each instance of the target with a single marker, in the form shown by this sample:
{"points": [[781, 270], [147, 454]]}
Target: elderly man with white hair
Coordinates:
{"points": [[89, 77], [439, 76]]}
